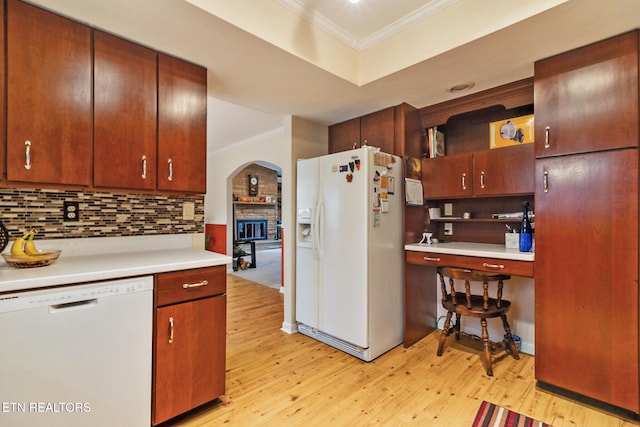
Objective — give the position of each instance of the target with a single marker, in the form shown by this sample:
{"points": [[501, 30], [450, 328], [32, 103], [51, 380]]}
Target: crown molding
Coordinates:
{"points": [[325, 24]]}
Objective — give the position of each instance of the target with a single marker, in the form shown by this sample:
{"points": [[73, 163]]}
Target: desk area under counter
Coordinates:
{"points": [[478, 256], [422, 301]]}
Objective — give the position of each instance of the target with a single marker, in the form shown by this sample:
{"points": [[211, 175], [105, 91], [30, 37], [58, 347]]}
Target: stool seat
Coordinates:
{"points": [[482, 307]]}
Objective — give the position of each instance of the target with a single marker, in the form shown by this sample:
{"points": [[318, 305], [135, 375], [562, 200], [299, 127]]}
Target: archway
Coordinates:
{"points": [[255, 223]]}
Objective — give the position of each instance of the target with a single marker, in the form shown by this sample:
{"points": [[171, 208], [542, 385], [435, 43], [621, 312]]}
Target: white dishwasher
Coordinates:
{"points": [[77, 355]]}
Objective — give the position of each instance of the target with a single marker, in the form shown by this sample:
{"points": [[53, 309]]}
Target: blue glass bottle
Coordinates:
{"points": [[526, 231]]}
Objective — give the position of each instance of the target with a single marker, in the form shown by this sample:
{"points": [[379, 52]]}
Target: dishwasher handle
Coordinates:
{"points": [[76, 305]]}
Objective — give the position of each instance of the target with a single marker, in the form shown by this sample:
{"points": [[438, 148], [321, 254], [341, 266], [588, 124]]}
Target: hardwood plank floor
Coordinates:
{"points": [[276, 379]]}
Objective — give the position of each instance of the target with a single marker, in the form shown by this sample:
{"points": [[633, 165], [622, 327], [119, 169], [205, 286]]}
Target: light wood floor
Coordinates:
{"points": [[276, 379]]}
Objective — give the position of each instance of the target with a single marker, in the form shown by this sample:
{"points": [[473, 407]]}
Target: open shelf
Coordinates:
{"points": [[458, 219]]}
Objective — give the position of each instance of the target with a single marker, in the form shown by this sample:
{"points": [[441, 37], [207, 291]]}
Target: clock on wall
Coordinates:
{"points": [[253, 185]]}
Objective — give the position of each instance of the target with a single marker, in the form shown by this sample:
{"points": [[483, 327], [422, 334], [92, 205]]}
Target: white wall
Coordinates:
{"points": [[307, 140], [223, 164]]}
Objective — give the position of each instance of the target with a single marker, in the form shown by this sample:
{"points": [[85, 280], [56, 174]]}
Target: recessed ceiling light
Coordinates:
{"points": [[460, 87], [354, 1]]}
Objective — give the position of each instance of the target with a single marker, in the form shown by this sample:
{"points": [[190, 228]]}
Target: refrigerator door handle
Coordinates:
{"points": [[317, 225]]}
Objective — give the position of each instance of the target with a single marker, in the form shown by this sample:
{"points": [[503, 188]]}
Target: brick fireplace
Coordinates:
{"points": [[256, 213]]}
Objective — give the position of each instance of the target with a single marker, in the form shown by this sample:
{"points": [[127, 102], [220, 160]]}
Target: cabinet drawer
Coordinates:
{"points": [[495, 265], [187, 285]]}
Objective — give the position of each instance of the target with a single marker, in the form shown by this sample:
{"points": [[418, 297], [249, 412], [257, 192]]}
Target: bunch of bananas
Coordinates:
{"points": [[25, 248]]}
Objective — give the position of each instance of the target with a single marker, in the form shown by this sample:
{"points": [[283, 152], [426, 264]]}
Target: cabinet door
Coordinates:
{"points": [[49, 130], [586, 273], [182, 125], [587, 99], [377, 130], [344, 136], [125, 99], [504, 171], [447, 177], [190, 347], [3, 88]]}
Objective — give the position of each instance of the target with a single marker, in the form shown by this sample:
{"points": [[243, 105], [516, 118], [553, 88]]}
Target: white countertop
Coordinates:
{"points": [[87, 260], [484, 250]]}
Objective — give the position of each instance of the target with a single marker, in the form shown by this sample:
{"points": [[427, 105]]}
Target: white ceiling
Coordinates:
{"points": [[364, 24], [326, 61]]}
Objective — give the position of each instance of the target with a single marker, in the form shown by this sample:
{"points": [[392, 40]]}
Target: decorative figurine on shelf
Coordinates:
{"points": [[426, 238]]}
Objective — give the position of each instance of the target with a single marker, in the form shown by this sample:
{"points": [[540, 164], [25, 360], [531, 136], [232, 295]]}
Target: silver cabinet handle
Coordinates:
{"points": [[547, 144], [195, 285], [171, 328], [482, 179], [545, 181], [27, 154], [170, 169], [494, 266], [464, 181], [426, 258], [144, 167]]}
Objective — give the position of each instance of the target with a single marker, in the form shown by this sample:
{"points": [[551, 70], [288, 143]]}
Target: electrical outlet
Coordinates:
{"points": [[71, 211], [188, 211], [448, 228], [448, 209]]}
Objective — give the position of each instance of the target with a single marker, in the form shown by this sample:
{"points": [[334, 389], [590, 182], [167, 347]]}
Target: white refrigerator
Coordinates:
{"points": [[349, 252]]}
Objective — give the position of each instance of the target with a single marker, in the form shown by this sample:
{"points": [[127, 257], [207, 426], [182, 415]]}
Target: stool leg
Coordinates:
{"points": [[445, 333], [486, 354], [456, 327], [509, 343]]}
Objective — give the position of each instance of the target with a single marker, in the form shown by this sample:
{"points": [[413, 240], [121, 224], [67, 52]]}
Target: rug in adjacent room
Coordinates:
{"points": [[490, 415]]}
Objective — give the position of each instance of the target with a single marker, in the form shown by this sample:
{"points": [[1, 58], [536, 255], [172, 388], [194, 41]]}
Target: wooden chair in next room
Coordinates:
{"points": [[479, 306]]}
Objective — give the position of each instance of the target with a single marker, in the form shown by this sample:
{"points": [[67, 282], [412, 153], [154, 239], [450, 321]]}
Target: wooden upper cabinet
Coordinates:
{"points": [[409, 135], [587, 99], [125, 106], [344, 136], [182, 125], [2, 89], [377, 130], [49, 132], [500, 172], [448, 176], [504, 171]]}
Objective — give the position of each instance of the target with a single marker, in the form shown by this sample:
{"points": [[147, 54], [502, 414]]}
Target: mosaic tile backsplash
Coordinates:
{"points": [[100, 214]]}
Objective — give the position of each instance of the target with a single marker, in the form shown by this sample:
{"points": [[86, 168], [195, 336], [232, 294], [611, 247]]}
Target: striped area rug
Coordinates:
{"points": [[490, 415]]}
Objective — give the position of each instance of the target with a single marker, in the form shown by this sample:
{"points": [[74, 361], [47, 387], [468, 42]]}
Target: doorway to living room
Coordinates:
{"points": [[257, 222]]}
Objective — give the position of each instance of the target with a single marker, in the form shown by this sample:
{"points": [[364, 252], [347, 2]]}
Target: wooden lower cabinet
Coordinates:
{"points": [[189, 341], [586, 275]]}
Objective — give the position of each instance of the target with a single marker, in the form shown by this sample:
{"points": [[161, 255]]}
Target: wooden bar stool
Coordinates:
{"points": [[478, 306]]}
